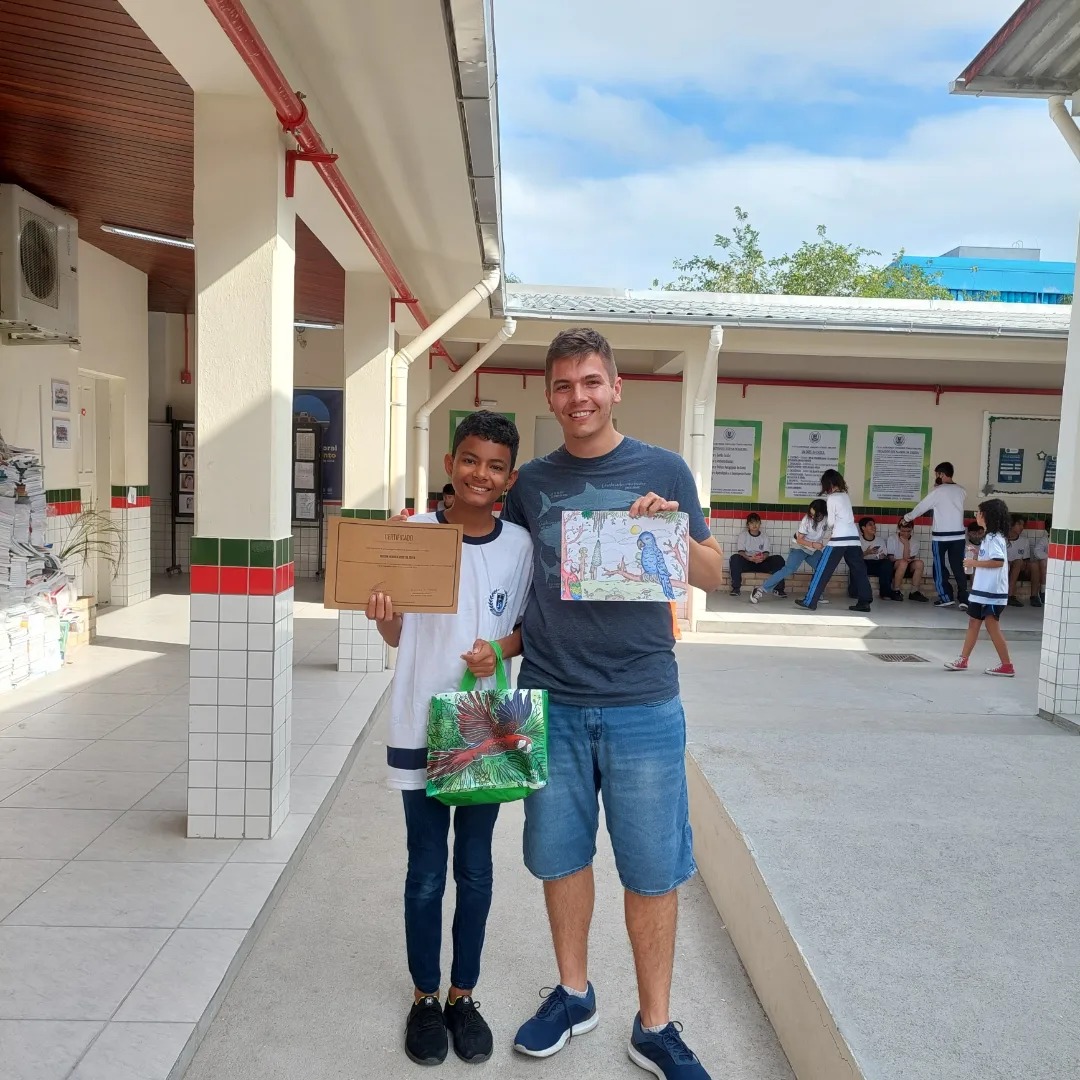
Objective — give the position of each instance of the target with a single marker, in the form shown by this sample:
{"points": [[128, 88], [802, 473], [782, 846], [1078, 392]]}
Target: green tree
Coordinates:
{"points": [[820, 267]]}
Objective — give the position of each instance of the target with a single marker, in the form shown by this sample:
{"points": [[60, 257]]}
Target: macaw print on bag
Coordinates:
{"points": [[487, 746]]}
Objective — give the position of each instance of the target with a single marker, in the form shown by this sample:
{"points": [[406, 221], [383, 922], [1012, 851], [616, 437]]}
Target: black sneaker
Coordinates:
{"points": [[469, 1030], [735, 592], [1015, 602], [425, 1033], [918, 598]]}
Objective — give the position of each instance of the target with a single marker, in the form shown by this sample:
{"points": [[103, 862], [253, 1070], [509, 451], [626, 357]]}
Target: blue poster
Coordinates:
{"points": [[1049, 472], [1010, 466], [327, 409]]}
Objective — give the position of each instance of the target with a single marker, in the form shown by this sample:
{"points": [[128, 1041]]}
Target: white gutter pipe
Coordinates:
{"points": [[399, 379], [1065, 123], [703, 394], [422, 422]]}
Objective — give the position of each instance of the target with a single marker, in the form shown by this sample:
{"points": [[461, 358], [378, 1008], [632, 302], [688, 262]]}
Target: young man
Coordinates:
{"points": [[876, 558], [903, 552], [946, 501], [1019, 560], [447, 500], [615, 719], [433, 652], [753, 557]]}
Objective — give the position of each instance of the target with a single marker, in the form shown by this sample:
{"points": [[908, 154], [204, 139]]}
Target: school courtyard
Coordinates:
{"points": [[263, 281]]}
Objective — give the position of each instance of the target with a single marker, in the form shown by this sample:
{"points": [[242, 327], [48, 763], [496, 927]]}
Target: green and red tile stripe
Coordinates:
{"points": [[120, 496], [1065, 545], [230, 567], [63, 501]]}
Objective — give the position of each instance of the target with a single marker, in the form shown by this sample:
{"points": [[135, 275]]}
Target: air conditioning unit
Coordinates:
{"points": [[39, 267]]}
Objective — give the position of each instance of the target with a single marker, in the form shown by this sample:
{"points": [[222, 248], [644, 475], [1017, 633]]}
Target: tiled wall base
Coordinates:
{"points": [[1059, 661], [306, 545], [132, 583], [240, 714], [360, 648]]}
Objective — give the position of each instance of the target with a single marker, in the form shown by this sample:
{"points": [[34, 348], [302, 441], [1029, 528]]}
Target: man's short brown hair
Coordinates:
{"points": [[576, 344]]}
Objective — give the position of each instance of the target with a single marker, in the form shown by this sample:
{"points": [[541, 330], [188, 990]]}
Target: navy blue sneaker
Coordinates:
{"points": [[664, 1053], [560, 1016]]}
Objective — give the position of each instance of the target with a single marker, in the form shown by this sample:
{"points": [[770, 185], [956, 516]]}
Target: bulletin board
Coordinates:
{"points": [[1019, 454]]}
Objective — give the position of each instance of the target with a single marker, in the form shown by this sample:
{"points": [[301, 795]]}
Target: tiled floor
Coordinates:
{"points": [[115, 929]]}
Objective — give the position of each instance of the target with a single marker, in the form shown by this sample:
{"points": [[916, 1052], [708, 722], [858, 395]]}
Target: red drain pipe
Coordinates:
{"points": [[293, 114], [819, 384]]}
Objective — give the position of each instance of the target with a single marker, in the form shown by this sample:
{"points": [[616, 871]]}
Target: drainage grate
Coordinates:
{"points": [[900, 658]]}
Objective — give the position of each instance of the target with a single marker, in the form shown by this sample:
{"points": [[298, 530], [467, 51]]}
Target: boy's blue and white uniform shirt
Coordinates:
{"points": [[751, 544], [947, 503], [496, 572], [991, 584]]}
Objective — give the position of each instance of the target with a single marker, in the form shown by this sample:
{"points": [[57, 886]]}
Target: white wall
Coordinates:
{"points": [[113, 332]]}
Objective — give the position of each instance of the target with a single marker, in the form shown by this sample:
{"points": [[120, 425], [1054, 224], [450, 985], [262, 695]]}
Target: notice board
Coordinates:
{"points": [[1019, 454]]}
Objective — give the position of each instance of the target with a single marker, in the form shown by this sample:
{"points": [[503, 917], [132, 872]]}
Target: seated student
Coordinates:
{"points": [[902, 551], [752, 556], [974, 538], [877, 562], [806, 546], [447, 500], [1040, 553], [1019, 559]]}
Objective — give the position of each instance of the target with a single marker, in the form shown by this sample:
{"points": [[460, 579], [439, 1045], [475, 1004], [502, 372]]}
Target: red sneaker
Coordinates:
{"points": [[1007, 671], [959, 664]]}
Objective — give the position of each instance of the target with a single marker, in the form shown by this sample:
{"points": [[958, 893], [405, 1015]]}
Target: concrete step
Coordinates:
{"points": [[897, 877]]}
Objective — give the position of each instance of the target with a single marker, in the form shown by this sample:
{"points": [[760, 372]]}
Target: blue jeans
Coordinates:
{"points": [[634, 756], [795, 558], [427, 825]]}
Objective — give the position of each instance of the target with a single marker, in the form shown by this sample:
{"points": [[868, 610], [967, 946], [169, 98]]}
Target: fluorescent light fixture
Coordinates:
{"points": [[153, 237], [315, 324]]}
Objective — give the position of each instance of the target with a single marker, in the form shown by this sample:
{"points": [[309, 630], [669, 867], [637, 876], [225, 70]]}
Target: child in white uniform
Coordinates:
{"points": [[844, 546], [989, 589]]}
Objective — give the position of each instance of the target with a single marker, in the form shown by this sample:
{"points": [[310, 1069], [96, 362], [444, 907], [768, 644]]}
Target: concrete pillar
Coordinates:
{"points": [[692, 368], [241, 552], [1059, 662], [369, 345]]}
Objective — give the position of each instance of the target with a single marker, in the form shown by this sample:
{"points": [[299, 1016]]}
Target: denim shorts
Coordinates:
{"points": [[634, 757]]}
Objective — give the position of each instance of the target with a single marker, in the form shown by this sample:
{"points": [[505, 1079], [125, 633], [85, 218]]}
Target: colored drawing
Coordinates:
{"points": [[608, 555]]}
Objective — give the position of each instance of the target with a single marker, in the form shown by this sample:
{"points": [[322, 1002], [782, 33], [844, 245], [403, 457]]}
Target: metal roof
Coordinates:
{"points": [[1035, 54], [986, 319]]}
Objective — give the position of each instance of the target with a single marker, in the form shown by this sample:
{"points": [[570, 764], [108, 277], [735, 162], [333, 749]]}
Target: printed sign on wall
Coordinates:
{"points": [[325, 407], [897, 465], [1020, 454], [806, 452], [736, 459]]}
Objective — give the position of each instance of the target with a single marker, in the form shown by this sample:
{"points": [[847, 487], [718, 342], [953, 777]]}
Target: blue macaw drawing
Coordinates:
{"points": [[653, 566]]}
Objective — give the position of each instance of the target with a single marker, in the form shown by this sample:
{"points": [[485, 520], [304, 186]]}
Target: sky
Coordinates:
{"points": [[630, 130]]}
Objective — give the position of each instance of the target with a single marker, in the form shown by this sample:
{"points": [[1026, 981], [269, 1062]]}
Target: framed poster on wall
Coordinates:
{"points": [[324, 407], [736, 460], [806, 451], [897, 465], [1019, 454]]}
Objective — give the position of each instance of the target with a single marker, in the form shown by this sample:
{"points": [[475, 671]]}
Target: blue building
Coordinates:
{"points": [[1013, 275]]}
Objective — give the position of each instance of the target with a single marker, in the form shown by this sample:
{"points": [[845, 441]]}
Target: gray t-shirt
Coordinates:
{"points": [[599, 653]]}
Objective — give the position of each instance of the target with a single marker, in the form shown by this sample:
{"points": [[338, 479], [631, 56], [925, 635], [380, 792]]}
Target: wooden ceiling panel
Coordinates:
{"points": [[95, 120]]}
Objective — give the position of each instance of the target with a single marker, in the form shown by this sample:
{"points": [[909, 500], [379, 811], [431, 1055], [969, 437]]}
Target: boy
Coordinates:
{"points": [[1040, 554], [946, 500], [903, 552], [877, 560], [447, 500], [752, 556], [1019, 559], [433, 652]]}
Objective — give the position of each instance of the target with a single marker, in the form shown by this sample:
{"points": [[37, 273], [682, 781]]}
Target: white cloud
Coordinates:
{"points": [[991, 175], [734, 48]]}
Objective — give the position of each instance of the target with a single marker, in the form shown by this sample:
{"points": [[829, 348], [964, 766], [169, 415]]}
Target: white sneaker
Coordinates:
{"points": [[757, 594]]}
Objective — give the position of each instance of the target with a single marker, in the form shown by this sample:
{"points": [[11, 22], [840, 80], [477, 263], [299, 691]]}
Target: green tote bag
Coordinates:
{"points": [[487, 746]]}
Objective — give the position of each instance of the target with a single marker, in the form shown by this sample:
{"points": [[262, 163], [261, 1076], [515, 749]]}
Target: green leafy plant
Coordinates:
{"points": [[92, 534]]}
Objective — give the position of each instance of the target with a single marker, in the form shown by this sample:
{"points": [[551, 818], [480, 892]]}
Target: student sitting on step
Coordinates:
{"points": [[903, 553], [752, 555], [1019, 560]]}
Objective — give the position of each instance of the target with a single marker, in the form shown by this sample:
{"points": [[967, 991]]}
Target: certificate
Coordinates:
{"points": [[417, 565]]}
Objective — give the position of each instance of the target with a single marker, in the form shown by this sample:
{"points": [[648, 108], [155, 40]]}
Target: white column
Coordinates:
{"points": [[241, 573], [1059, 662], [369, 345], [692, 368]]}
